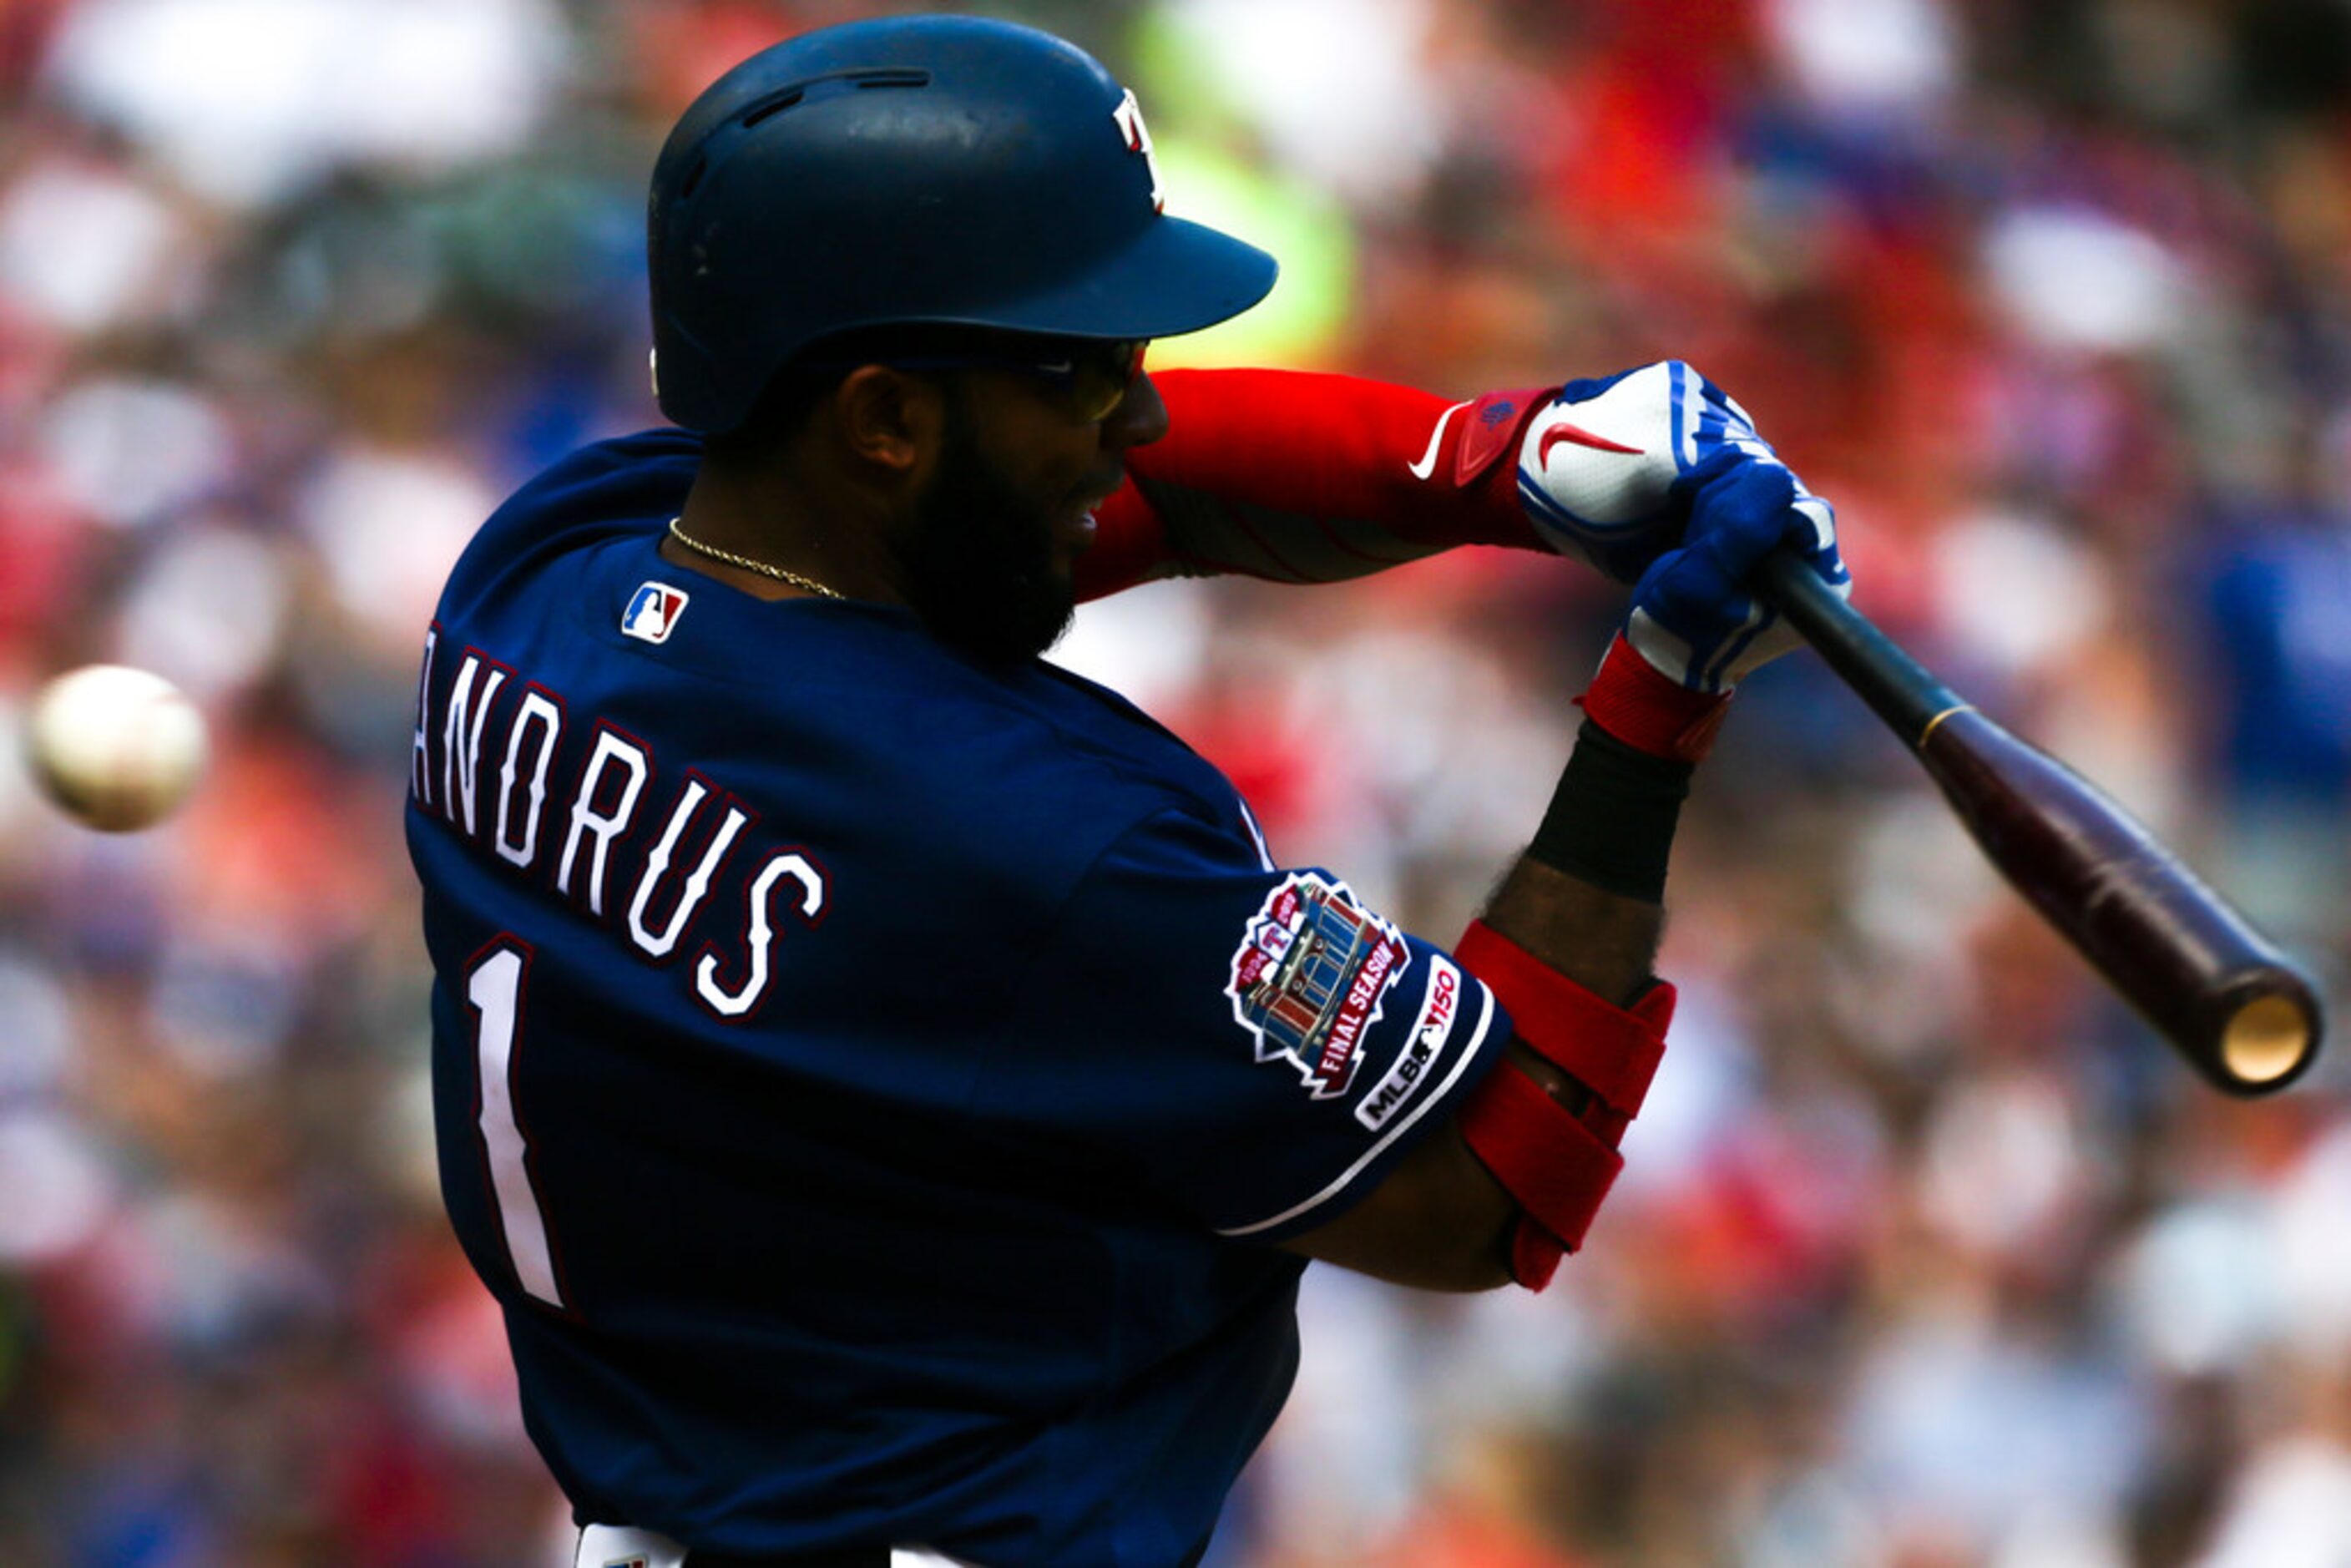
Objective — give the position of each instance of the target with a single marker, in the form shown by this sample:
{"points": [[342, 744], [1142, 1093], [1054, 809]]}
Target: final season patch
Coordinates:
{"points": [[1310, 976]]}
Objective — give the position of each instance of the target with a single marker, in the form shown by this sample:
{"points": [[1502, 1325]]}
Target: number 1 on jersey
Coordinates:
{"points": [[493, 988]]}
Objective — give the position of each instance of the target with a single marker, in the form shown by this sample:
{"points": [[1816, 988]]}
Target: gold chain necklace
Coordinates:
{"points": [[806, 584]]}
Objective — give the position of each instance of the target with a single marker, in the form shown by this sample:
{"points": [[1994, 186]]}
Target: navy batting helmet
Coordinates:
{"points": [[945, 169]]}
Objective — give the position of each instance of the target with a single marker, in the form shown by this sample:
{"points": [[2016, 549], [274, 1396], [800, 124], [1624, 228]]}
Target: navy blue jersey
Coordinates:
{"points": [[870, 1080]]}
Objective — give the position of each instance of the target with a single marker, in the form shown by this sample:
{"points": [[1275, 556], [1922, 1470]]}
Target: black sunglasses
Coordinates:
{"points": [[1089, 377]]}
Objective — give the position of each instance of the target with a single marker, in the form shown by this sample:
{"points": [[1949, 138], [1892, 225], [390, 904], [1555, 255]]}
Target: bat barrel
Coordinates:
{"points": [[2195, 969]]}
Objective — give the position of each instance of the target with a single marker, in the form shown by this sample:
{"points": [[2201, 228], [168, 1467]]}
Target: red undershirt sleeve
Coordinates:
{"points": [[1303, 477]]}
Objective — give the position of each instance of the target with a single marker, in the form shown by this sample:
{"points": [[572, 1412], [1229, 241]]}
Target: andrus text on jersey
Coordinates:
{"points": [[575, 803]]}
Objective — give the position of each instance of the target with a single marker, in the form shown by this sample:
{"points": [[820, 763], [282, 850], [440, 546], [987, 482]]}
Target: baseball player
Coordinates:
{"points": [[889, 1082]]}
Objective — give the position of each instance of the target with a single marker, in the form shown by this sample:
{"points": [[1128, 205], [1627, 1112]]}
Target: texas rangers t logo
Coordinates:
{"points": [[652, 612], [1129, 116], [1308, 978]]}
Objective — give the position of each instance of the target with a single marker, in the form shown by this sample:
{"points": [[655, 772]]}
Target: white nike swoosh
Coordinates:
{"points": [[1428, 463], [1059, 367]]}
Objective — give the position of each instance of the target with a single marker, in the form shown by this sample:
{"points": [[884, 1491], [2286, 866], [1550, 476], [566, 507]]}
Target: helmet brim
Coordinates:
{"points": [[1176, 276]]}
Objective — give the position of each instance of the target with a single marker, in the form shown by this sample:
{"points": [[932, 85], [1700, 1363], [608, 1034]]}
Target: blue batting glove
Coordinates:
{"points": [[1692, 618], [1608, 467]]}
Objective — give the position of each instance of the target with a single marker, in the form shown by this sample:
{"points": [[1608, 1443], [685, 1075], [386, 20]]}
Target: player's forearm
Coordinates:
{"points": [[1605, 942], [1302, 478], [1567, 945]]}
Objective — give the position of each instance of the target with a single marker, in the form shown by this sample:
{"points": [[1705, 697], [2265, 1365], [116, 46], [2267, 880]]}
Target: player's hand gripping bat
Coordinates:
{"points": [[2195, 969]]}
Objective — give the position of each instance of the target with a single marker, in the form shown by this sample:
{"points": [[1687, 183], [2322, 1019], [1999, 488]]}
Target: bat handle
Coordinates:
{"points": [[1911, 701]]}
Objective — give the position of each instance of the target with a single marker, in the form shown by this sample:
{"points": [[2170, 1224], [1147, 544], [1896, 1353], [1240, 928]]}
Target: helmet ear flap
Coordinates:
{"points": [[950, 171], [789, 396]]}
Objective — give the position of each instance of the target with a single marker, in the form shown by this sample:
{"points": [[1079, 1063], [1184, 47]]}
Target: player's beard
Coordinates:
{"points": [[978, 563]]}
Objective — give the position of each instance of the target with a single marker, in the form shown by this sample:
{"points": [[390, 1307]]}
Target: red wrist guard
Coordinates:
{"points": [[1614, 1051], [1648, 710], [1556, 1168], [1557, 1164]]}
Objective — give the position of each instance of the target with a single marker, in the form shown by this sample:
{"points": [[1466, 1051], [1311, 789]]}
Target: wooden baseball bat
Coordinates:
{"points": [[2193, 966]]}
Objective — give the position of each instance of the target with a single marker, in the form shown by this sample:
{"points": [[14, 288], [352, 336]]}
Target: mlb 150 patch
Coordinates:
{"points": [[1308, 978], [1414, 1064]]}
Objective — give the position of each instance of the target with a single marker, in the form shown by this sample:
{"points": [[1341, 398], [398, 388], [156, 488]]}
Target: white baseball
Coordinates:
{"points": [[116, 748]]}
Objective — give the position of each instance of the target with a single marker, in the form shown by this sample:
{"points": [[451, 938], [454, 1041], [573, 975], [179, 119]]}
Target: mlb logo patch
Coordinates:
{"points": [[652, 612], [1310, 976]]}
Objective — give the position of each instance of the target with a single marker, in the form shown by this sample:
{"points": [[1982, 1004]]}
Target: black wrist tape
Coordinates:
{"points": [[1611, 821]]}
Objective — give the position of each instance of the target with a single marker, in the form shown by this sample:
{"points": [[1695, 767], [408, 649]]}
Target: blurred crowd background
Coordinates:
{"points": [[1928, 1256]]}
